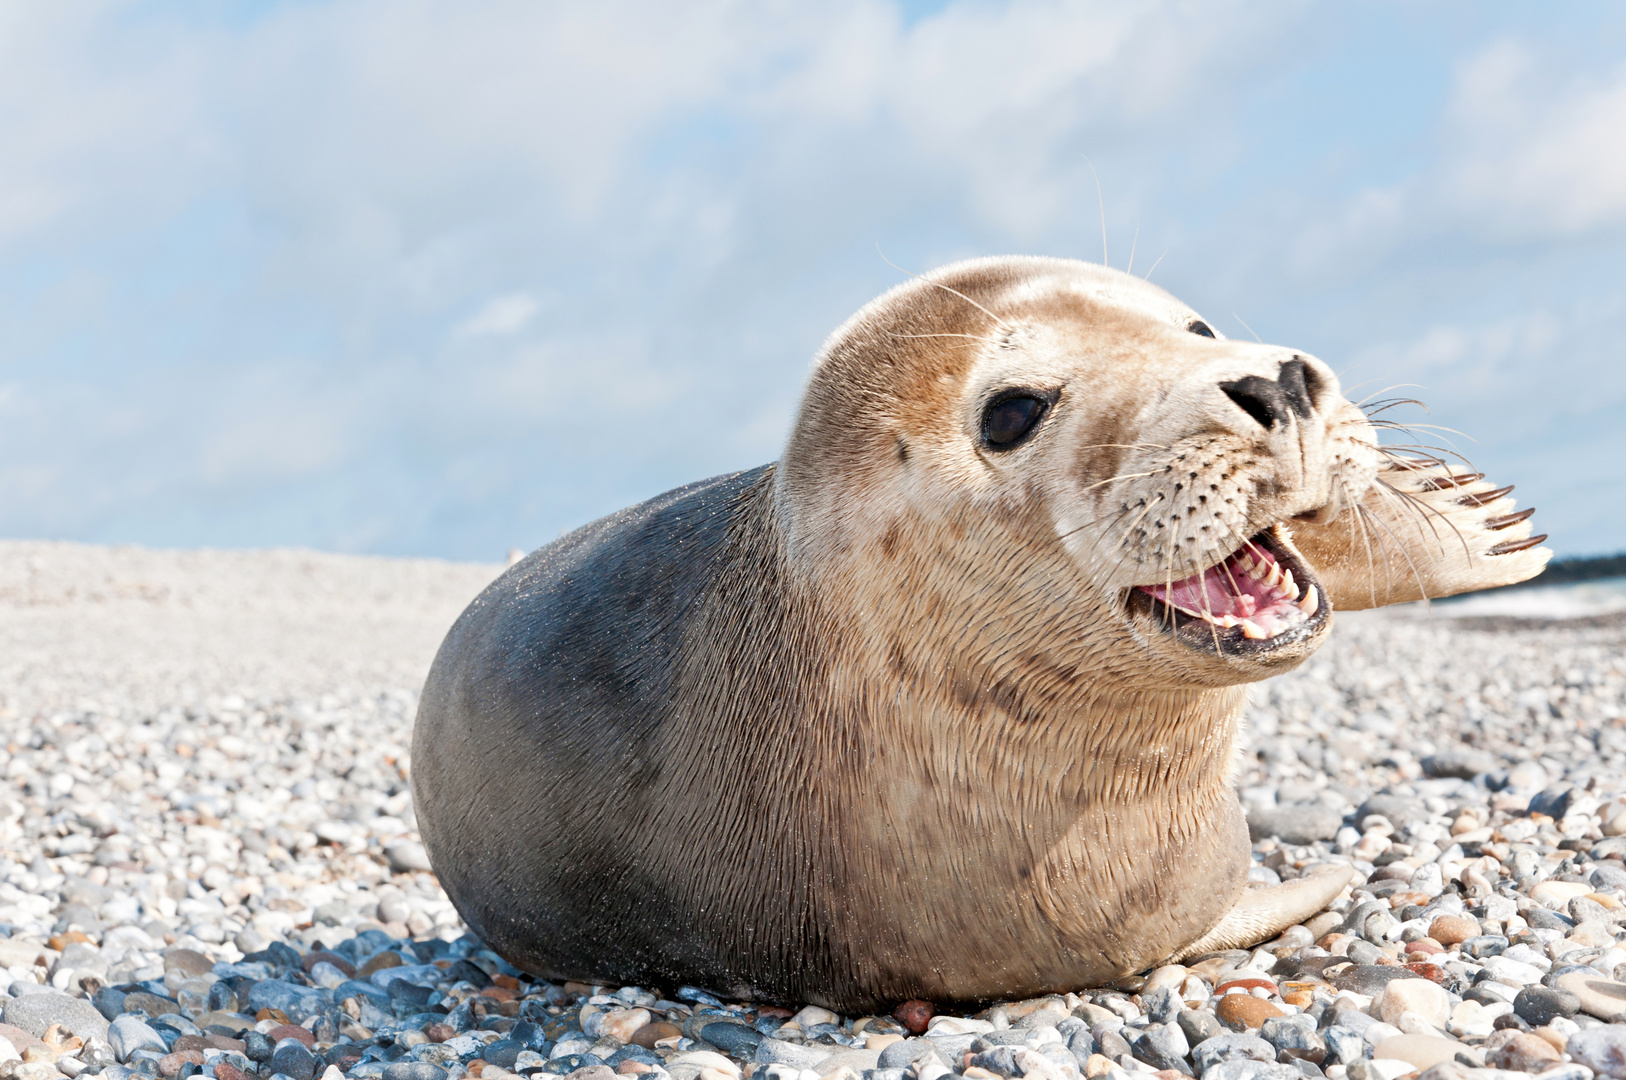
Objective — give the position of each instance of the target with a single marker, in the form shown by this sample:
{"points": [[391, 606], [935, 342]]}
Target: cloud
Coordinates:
{"points": [[501, 315], [1534, 146]]}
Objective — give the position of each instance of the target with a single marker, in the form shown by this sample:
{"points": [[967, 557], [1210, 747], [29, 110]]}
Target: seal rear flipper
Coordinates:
{"points": [[1263, 912], [1423, 530]]}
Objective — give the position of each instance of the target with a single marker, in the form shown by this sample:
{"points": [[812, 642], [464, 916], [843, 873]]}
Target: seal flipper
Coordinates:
{"points": [[1263, 912], [1423, 530]]}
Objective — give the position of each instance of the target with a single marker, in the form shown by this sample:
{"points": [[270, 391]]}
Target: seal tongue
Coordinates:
{"points": [[1248, 589]]}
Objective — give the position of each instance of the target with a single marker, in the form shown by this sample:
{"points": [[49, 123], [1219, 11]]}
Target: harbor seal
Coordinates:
{"points": [[944, 703]]}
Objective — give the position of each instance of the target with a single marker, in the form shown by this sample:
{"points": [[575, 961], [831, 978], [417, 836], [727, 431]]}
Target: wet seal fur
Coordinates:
{"points": [[909, 714]]}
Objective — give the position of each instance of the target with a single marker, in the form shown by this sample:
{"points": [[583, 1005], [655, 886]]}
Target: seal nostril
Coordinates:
{"points": [[1260, 398], [1295, 380]]}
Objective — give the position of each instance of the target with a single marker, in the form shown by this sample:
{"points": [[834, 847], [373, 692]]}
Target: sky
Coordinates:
{"points": [[424, 277]]}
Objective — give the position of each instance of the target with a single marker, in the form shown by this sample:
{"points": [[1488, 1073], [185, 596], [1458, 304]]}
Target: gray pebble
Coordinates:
{"points": [[1162, 1046], [1344, 1044], [1199, 1025], [1230, 1047], [780, 1052], [1538, 1005], [1304, 823], [128, 1034], [734, 1039], [1601, 1049], [414, 1070], [36, 1012], [1295, 1038], [1245, 1069], [293, 1058], [900, 1054], [1112, 1043]]}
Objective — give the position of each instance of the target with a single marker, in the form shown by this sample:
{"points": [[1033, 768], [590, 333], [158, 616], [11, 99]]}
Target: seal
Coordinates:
{"points": [[944, 703]]}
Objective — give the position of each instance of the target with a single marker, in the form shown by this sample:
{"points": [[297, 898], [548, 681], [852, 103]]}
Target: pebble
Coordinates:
{"points": [[411, 1070], [1230, 1047], [1601, 1049], [1420, 1051], [1595, 995], [1538, 1005], [128, 1034], [293, 1058], [1452, 929], [1427, 1001], [1245, 1069], [37, 1012], [1522, 1052], [1244, 1011]]}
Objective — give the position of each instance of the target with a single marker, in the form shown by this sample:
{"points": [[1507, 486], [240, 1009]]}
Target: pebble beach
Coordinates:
{"points": [[209, 863]]}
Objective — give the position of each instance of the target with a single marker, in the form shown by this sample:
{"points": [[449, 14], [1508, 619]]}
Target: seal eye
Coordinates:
{"points": [[1199, 327], [1011, 418]]}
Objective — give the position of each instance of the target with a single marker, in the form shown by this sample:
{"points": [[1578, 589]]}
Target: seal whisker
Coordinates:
{"points": [[1412, 429], [1361, 404], [1126, 476], [1384, 405], [939, 285], [1417, 574], [1421, 507]]}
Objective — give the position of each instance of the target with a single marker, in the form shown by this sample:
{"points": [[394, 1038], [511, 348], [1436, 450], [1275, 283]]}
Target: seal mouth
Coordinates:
{"points": [[1261, 596]]}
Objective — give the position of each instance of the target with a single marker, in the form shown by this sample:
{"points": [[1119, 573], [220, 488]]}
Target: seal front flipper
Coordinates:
{"points": [[1263, 912], [1423, 530]]}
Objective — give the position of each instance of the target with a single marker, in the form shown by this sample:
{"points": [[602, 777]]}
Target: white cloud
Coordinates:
{"points": [[1534, 146], [501, 315]]}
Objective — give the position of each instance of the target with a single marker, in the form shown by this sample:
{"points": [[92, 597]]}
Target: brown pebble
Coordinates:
{"points": [[62, 941], [476, 1067], [1239, 1011], [914, 1015], [225, 1070], [379, 961], [591, 1072], [317, 956], [272, 1014], [498, 993], [231, 1045], [647, 1035], [632, 1068], [171, 1063], [292, 1031], [1246, 984], [1524, 1052], [188, 960], [1452, 929], [190, 1042], [439, 1032], [1432, 972]]}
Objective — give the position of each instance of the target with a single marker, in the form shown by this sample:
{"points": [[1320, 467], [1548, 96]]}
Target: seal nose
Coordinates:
{"points": [[1269, 401]]}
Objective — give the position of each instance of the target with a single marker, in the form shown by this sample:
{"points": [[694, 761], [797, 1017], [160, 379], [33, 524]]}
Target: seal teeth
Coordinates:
{"points": [[1310, 602], [1289, 586], [1251, 629]]}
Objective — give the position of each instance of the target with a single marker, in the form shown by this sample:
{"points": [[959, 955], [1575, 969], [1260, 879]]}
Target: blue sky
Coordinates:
{"points": [[421, 277]]}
